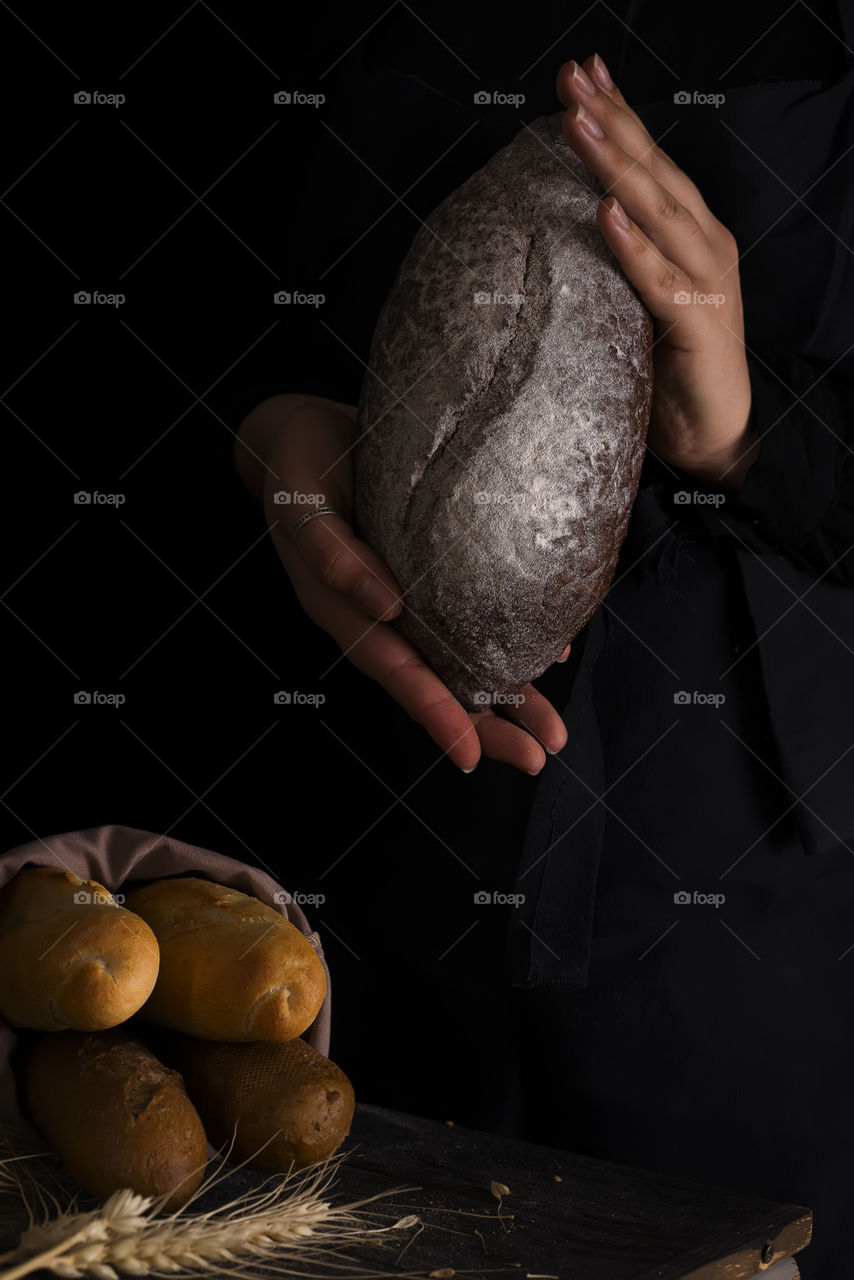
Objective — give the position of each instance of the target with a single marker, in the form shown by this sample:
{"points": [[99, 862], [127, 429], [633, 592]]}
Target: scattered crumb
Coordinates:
{"points": [[449, 1123], [558, 1178], [445, 1273]]}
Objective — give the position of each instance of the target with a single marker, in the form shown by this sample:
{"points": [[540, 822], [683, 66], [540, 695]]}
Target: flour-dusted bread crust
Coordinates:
{"points": [[501, 441], [115, 1115], [231, 968], [70, 956]]}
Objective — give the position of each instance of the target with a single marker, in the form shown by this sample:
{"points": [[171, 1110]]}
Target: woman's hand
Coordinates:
{"points": [[684, 265], [304, 444]]}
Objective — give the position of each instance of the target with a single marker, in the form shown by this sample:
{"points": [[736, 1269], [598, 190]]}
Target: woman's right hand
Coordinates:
{"points": [[304, 444]]}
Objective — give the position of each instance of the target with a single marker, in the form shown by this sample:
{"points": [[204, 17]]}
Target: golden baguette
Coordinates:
{"points": [[289, 1093], [69, 955], [115, 1115], [231, 968]]}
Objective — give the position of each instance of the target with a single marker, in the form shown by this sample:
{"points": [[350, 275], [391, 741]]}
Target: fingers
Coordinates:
{"points": [[664, 288], [388, 658], [508, 743], [341, 561], [313, 467], [384, 655], [623, 128], [673, 228], [381, 653], [537, 716]]}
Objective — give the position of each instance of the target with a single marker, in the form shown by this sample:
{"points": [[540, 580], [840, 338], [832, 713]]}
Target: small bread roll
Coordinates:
{"points": [[70, 956], [231, 968], [116, 1116], [288, 1093]]}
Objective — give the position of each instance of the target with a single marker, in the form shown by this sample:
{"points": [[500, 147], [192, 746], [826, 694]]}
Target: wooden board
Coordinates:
{"points": [[599, 1222]]}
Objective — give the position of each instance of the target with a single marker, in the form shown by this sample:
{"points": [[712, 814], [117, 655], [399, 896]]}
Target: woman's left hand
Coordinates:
{"points": [[684, 265]]}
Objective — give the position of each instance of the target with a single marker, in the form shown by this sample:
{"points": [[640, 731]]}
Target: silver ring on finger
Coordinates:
{"points": [[311, 515]]}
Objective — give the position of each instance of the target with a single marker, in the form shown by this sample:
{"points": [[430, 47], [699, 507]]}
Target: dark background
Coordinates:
{"points": [[198, 199]]}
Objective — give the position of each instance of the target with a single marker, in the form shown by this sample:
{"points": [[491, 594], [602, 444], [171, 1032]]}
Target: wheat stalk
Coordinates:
{"points": [[283, 1228]]}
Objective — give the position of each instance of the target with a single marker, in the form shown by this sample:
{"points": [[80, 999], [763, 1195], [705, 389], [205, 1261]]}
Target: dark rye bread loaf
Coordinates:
{"points": [[501, 440]]}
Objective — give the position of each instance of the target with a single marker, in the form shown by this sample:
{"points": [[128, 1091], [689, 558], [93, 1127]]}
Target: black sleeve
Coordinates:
{"points": [[800, 491]]}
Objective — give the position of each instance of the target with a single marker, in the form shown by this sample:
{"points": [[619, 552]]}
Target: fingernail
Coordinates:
{"points": [[581, 80], [375, 598], [617, 213], [471, 770], [533, 773], [588, 124], [600, 71]]}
